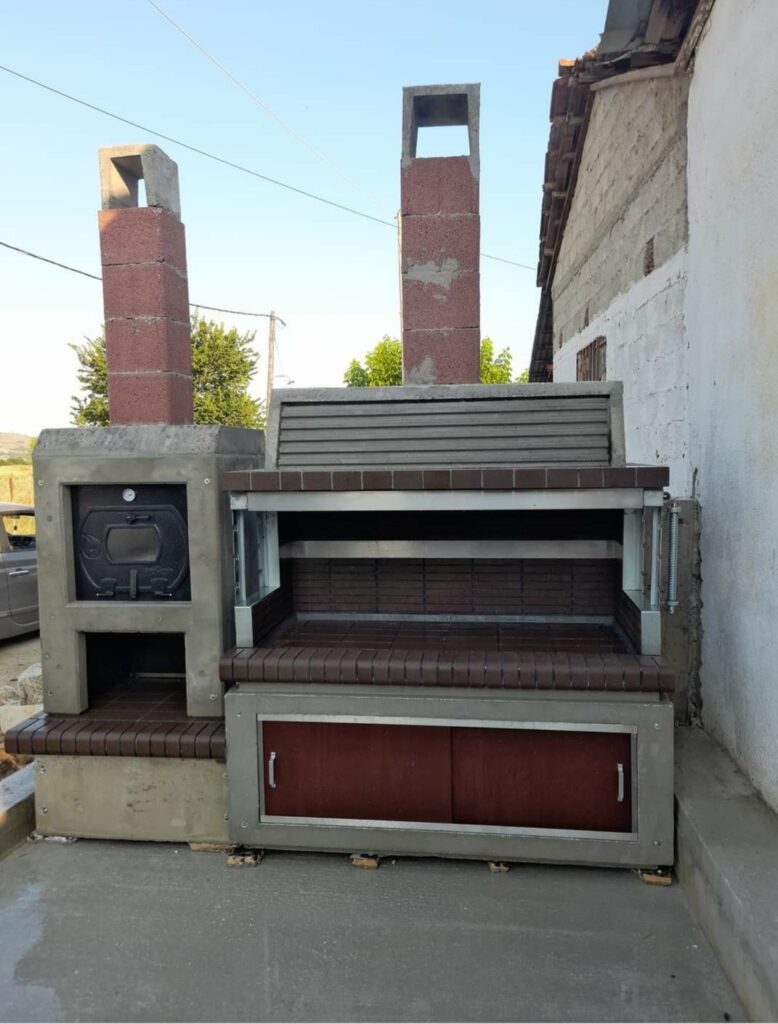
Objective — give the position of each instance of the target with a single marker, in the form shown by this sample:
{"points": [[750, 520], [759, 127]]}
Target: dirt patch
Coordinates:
{"points": [[10, 763], [20, 691]]}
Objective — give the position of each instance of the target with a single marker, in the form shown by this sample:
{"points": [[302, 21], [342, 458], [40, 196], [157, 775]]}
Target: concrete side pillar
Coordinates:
{"points": [[145, 289], [440, 242]]}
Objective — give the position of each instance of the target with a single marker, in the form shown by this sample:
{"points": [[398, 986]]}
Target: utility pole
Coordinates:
{"points": [[271, 355]]}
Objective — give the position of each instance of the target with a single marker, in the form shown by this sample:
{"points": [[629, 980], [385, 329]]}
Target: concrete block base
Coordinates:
{"points": [[151, 799], [727, 862]]}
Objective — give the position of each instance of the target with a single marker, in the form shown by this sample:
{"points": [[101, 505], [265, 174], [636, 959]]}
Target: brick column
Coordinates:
{"points": [[145, 290], [440, 242]]}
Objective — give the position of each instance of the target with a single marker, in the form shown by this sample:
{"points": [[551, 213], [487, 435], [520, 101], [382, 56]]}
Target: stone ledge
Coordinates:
{"points": [[727, 862], [17, 808]]}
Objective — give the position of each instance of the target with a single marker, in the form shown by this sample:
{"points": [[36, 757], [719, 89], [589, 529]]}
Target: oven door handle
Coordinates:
{"points": [[620, 776], [271, 770]]}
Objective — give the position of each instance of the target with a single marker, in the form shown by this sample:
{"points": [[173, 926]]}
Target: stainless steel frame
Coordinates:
{"points": [[425, 501], [257, 571], [545, 549], [648, 720]]}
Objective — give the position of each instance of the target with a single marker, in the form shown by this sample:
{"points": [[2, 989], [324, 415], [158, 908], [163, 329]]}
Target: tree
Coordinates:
{"points": [[92, 409], [382, 366], [523, 377], [223, 365], [494, 369]]}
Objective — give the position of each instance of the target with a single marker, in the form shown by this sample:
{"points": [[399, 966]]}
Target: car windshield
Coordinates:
{"points": [[20, 529]]}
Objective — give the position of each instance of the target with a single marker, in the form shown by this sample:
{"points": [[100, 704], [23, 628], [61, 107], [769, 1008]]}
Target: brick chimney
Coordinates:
{"points": [[440, 241], [145, 290]]}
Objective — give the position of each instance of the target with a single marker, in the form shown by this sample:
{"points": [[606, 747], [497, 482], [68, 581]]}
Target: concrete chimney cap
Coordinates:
{"points": [[122, 167], [427, 106]]}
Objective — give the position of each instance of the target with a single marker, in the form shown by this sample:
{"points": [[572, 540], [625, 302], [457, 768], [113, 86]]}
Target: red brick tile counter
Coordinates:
{"points": [[446, 479]]}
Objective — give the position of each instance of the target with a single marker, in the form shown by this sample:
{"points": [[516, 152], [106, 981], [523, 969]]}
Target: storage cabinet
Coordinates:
{"points": [[542, 779], [356, 771], [576, 780]]}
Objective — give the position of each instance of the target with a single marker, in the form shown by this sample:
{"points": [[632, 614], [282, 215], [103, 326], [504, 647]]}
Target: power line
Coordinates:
{"points": [[230, 163], [96, 277], [253, 96], [196, 149], [54, 263]]}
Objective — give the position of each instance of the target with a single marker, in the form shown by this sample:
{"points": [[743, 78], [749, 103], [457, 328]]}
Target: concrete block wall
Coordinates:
{"points": [[647, 349], [145, 289], [440, 243], [631, 189]]}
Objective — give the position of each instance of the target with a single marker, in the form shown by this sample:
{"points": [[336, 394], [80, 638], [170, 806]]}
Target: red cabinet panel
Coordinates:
{"points": [[471, 776], [379, 772], [541, 779]]}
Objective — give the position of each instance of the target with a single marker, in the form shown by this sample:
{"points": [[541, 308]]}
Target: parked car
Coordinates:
{"points": [[18, 570]]}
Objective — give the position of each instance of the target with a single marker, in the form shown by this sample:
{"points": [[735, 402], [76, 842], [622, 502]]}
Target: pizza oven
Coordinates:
{"points": [[131, 543]]}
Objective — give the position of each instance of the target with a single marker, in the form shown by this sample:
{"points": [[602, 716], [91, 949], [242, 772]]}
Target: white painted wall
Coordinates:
{"points": [[732, 326], [647, 350]]}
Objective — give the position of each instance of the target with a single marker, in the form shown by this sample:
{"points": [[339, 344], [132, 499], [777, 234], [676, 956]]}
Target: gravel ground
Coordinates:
{"points": [[18, 654]]}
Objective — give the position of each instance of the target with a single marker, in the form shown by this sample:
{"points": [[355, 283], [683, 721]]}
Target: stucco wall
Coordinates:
{"points": [[631, 187], [647, 350], [732, 327]]}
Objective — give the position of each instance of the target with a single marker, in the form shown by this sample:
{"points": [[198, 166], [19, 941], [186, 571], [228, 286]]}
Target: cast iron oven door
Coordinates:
{"points": [[131, 542]]}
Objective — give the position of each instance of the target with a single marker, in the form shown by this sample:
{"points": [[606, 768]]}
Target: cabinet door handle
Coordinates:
{"points": [[271, 770], [620, 775], [19, 572]]}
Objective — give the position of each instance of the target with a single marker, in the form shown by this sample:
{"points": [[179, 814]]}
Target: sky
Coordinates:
{"points": [[334, 75]]}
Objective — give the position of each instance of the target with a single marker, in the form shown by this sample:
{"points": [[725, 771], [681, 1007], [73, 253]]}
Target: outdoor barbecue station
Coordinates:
{"points": [[416, 620]]}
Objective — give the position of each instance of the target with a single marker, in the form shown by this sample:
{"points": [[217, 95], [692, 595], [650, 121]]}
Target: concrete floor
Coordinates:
{"points": [[109, 931]]}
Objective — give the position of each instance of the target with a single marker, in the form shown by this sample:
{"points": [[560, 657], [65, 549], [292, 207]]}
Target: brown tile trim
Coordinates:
{"points": [[265, 481], [236, 480], [291, 480], [317, 480], [497, 479], [347, 480], [619, 476], [561, 477], [377, 480], [83, 736], [475, 669], [529, 479], [407, 480], [652, 476], [466, 479], [536, 478], [436, 479]]}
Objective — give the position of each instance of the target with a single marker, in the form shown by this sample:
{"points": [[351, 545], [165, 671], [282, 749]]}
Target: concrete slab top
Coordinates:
{"points": [[110, 931]]}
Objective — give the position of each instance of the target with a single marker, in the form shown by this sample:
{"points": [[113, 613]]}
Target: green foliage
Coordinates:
{"points": [[383, 367], [494, 369], [223, 365], [356, 376], [523, 377], [91, 410]]}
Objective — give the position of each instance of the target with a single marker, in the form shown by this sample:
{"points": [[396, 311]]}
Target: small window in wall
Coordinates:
{"points": [[590, 361]]}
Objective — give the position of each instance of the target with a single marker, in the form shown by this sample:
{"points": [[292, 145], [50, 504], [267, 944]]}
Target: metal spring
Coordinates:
{"points": [[672, 558]]}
